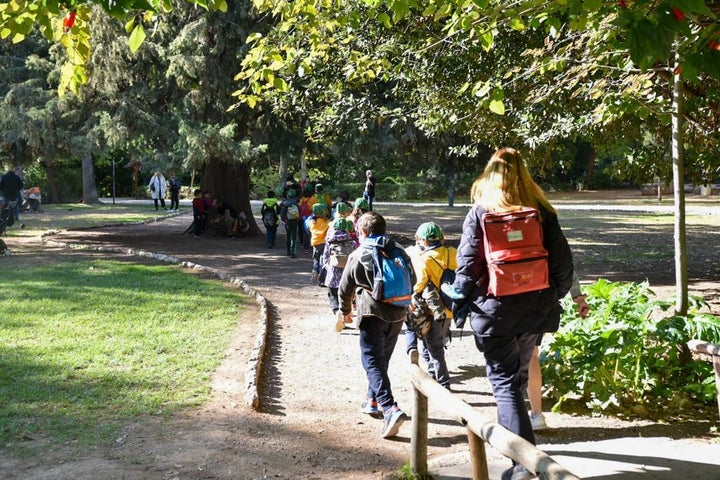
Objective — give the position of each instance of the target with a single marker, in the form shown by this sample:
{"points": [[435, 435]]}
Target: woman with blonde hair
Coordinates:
{"points": [[507, 327]]}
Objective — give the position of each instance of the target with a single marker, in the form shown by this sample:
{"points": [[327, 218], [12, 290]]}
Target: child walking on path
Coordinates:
{"points": [[290, 215], [270, 217], [380, 322], [317, 226], [430, 258], [341, 241]]}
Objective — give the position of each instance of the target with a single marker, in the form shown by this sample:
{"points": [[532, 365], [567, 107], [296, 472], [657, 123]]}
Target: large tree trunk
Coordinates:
{"points": [[90, 194], [230, 182], [53, 193]]}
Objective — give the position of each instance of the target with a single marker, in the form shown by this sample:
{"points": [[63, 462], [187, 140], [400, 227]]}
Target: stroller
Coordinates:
{"points": [[31, 200]]}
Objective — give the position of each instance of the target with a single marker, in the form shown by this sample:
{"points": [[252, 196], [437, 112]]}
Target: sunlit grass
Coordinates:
{"points": [[78, 215], [87, 345]]}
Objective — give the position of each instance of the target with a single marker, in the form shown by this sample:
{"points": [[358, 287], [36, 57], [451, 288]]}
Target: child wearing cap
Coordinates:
{"points": [[317, 226], [322, 197], [341, 240], [290, 215], [360, 207], [430, 257]]}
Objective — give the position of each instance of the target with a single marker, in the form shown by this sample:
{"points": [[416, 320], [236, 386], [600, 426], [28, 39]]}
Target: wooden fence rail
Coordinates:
{"points": [[479, 431], [711, 353]]}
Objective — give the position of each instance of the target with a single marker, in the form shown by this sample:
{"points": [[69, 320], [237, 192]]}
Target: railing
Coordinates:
{"points": [[711, 353], [479, 431]]}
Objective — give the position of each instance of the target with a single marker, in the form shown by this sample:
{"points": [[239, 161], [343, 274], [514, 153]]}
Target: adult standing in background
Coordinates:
{"points": [[369, 193], [11, 186], [158, 189]]}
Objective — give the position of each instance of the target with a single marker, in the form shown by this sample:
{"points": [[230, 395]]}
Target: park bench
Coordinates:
{"points": [[710, 352]]}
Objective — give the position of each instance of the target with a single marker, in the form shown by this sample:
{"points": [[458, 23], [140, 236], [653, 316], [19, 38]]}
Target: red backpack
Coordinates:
{"points": [[516, 258]]}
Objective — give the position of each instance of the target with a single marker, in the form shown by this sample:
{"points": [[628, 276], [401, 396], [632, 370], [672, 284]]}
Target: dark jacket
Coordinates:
{"points": [[11, 184], [526, 312], [357, 279]]}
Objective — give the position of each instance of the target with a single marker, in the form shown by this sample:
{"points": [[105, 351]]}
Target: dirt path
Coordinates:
{"points": [[309, 425]]}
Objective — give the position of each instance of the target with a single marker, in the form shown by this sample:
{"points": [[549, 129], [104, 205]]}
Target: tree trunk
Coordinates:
{"points": [[681, 279], [90, 194], [53, 193], [230, 182], [283, 170]]}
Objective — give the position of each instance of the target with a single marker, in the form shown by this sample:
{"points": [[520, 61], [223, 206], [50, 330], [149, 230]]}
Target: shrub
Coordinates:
{"points": [[629, 351]]}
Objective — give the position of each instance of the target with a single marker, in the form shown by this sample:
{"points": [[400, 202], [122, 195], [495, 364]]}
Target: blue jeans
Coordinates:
{"points": [[369, 199], [433, 352], [507, 359], [270, 234], [377, 342]]}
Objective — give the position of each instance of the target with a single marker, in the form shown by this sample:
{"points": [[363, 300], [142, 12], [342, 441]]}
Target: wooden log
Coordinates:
{"points": [[713, 352], [504, 441]]}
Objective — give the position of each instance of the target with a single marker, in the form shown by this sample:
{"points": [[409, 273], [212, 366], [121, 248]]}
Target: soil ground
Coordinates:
{"points": [[309, 425]]}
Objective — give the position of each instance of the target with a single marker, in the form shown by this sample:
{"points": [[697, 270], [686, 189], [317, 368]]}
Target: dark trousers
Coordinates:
{"points": [[162, 202], [174, 200], [270, 234], [291, 231], [197, 226], [377, 342], [507, 359], [318, 251], [333, 299]]}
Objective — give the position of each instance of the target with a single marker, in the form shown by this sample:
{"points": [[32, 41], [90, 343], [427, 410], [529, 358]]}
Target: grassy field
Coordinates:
{"points": [[88, 344]]}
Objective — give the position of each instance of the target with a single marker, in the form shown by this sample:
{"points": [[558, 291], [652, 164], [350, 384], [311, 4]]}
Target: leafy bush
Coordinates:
{"points": [[628, 352]]}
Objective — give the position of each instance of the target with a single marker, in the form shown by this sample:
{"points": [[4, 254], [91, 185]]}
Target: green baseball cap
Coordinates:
{"points": [[362, 203], [430, 231]]}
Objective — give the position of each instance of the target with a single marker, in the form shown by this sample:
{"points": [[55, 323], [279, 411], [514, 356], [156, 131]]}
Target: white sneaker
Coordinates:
{"points": [[538, 421]]}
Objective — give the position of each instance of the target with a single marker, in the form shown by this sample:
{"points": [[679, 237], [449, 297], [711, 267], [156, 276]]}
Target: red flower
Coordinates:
{"points": [[714, 45], [68, 21], [678, 14], [622, 4]]}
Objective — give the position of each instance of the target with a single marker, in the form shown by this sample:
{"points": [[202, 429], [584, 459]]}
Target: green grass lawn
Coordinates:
{"points": [[78, 215], [89, 344]]}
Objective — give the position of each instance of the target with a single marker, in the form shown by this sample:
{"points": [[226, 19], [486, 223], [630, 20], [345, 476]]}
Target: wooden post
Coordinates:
{"points": [[419, 434], [419, 438], [478, 459]]}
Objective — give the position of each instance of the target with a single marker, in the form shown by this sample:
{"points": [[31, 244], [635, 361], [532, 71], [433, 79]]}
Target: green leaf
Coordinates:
{"points": [[280, 84], [517, 24], [253, 37], [384, 18], [497, 106], [137, 37]]}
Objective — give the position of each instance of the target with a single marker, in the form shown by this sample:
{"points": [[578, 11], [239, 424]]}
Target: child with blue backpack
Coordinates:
{"points": [[380, 320]]}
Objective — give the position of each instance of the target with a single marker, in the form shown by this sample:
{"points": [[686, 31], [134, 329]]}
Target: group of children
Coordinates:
{"points": [[213, 213]]}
